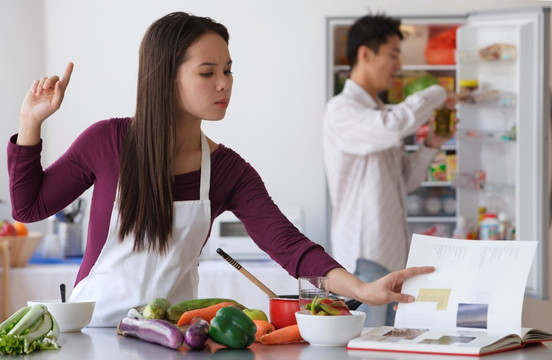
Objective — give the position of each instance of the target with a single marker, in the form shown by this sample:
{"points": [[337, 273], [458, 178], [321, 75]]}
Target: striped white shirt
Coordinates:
{"points": [[369, 173]]}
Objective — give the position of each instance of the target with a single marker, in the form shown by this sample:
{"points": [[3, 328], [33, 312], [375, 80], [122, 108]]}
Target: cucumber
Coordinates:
{"points": [[174, 312], [156, 309]]}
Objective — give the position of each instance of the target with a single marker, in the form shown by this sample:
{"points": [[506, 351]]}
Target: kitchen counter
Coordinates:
{"points": [[104, 343]]}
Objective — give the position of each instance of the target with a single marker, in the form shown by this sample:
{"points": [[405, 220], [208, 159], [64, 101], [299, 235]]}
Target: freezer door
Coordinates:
{"points": [[503, 136]]}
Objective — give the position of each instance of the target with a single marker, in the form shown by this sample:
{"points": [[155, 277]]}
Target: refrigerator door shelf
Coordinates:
{"points": [[508, 138], [476, 135]]}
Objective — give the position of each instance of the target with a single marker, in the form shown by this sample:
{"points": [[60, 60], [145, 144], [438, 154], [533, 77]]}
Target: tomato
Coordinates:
{"points": [[7, 229]]}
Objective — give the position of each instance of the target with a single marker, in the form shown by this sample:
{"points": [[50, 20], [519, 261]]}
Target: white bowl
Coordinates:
{"points": [[70, 315], [334, 330]]}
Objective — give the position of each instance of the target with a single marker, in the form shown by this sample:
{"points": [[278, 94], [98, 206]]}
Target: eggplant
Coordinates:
{"points": [[197, 334], [154, 331]]}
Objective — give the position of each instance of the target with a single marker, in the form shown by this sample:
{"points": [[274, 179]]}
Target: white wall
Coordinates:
{"points": [[21, 60], [278, 49]]}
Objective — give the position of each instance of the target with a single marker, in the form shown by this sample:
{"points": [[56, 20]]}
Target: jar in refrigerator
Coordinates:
{"points": [[489, 227], [414, 205], [467, 89], [444, 121], [433, 205]]}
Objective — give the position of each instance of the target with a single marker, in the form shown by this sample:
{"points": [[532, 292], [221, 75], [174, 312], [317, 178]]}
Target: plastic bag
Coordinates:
{"points": [[440, 48]]}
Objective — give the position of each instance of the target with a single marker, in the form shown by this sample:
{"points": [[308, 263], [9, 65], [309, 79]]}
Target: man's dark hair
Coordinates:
{"points": [[371, 31]]}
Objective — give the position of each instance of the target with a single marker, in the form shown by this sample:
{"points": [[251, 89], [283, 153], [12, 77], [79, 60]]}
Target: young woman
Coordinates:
{"points": [[159, 181]]}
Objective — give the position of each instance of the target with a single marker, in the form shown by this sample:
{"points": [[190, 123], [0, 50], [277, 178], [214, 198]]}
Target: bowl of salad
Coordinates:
{"points": [[329, 322]]}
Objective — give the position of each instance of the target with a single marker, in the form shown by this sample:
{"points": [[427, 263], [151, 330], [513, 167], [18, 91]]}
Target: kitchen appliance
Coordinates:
{"points": [[504, 133], [500, 154], [228, 233]]}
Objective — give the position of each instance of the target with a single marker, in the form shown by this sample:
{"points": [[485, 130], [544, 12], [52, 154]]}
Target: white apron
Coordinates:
{"points": [[121, 278]]}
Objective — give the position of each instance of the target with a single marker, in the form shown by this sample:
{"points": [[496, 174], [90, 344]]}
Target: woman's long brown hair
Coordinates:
{"points": [[147, 156]]}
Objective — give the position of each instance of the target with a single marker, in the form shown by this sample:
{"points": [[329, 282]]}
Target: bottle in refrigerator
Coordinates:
{"points": [[503, 226], [460, 230], [489, 227], [467, 89]]}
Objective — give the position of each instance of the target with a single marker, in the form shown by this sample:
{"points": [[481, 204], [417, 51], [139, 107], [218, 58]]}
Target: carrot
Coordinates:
{"points": [[282, 335], [206, 313], [263, 328]]}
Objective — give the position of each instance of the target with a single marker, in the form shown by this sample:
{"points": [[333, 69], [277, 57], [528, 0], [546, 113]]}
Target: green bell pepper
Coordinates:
{"points": [[233, 328]]}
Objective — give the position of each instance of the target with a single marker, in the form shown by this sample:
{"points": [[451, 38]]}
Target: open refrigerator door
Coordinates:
{"points": [[503, 135]]}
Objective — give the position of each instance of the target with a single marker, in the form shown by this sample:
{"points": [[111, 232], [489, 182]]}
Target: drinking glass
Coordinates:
{"points": [[311, 286]]}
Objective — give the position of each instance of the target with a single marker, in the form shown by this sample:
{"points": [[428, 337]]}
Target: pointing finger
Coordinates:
{"points": [[67, 75]]}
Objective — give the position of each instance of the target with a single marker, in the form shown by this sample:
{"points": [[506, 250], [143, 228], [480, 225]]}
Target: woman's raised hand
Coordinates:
{"points": [[42, 100]]}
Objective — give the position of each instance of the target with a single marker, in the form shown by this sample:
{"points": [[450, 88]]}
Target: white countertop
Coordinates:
{"points": [[105, 344]]}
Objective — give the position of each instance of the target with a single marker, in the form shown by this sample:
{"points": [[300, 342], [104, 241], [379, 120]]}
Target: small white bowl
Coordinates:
{"points": [[70, 315], [330, 330]]}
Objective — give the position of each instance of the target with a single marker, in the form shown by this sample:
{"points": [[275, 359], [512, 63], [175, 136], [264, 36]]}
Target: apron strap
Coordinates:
{"points": [[205, 169]]}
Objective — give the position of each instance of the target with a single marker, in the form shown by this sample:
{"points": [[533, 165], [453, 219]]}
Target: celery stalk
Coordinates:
{"points": [[35, 313], [55, 328], [39, 332], [10, 322], [31, 328]]}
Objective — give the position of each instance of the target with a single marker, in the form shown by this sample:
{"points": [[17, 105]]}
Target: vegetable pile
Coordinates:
{"points": [[159, 322], [326, 306], [28, 329], [193, 322]]}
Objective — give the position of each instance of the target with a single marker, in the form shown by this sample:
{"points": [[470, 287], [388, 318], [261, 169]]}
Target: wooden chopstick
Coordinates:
{"points": [[247, 274]]}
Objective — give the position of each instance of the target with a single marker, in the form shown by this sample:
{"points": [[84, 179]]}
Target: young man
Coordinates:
{"points": [[367, 169]]}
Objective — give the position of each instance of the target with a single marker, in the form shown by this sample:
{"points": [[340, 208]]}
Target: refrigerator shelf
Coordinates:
{"points": [[486, 136], [431, 219], [342, 68], [491, 99], [436, 184], [494, 188], [427, 67], [446, 147], [478, 182], [473, 56]]}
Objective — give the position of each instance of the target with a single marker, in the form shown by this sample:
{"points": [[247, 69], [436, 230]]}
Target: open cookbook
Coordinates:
{"points": [[470, 305]]}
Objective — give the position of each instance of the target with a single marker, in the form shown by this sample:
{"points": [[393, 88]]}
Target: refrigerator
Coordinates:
{"points": [[503, 138], [498, 161]]}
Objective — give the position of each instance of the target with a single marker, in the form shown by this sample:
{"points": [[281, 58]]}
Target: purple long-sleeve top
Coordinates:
{"points": [[93, 160]]}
